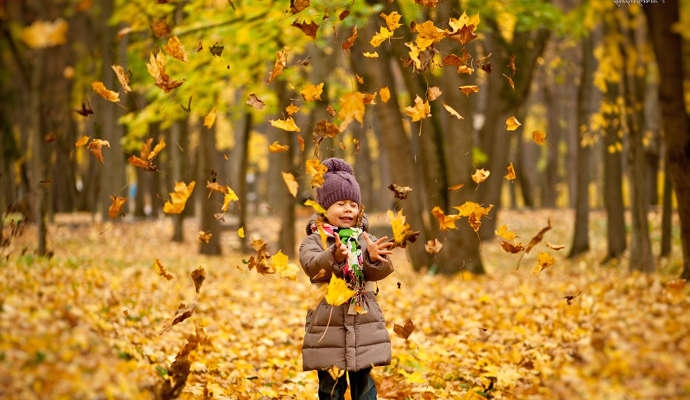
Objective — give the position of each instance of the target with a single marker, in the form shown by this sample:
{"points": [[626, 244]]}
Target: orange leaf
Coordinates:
{"points": [[419, 111], [96, 148], [43, 34], [350, 41], [456, 187], [445, 221], [210, 118], [511, 248], [385, 94], [544, 260], [474, 213], [469, 89], [316, 170], [291, 183], [538, 137], [405, 330], [141, 163], [116, 205], [433, 93], [205, 236], [82, 141], [480, 175], [102, 91], [279, 65], [512, 123], [161, 270], [511, 172], [175, 49], [538, 237]]}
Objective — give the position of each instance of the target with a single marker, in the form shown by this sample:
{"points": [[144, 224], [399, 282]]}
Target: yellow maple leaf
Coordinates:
{"points": [[352, 106], [42, 34], [371, 54], [287, 124], [279, 262], [316, 170], [175, 49], [381, 36], [156, 150], [398, 225], [512, 123], [82, 141], [480, 175], [338, 292], [428, 34], [392, 20], [276, 147], [178, 198], [544, 260], [445, 222], [511, 172], [104, 92], [503, 232], [385, 94], [312, 92], [291, 183], [315, 205], [414, 55], [291, 109], [229, 197], [210, 118], [419, 111], [474, 213], [469, 89]]}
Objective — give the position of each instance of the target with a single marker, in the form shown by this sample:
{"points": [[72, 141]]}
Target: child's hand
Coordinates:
{"points": [[340, 251], [379, 249]]}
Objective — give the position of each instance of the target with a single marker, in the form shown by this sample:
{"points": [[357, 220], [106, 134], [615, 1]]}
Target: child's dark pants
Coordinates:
{"points": [[361, 385]]}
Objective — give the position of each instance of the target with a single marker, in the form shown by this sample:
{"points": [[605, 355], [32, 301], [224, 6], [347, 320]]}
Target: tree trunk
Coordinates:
{"points": [[666, 214], [580, 242], [209, 204], [38, 167], [243, 170], [613, 178]]}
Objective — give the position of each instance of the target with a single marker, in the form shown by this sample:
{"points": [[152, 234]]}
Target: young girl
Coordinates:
{"points": [[344, 342]]}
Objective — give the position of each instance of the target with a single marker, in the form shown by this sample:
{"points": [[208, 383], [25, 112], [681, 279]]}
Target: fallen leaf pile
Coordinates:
{"points": [[100, 319]]}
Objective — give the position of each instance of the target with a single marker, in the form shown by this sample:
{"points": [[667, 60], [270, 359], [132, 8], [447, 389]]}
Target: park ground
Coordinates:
{"points": [[97, 320]]}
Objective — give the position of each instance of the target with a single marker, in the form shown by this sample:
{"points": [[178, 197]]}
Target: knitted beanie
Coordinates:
{"points": [[339, 183]]}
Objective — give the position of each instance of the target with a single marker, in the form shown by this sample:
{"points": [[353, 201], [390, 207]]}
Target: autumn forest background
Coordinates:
{"points": [[530, 160]]}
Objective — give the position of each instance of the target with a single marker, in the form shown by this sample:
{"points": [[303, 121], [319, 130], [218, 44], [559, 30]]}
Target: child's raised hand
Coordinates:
{"points": [[340, 251], [379, 249]]}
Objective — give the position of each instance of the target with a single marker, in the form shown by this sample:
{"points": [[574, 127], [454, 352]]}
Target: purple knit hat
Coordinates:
{"points": [[339, 183]]}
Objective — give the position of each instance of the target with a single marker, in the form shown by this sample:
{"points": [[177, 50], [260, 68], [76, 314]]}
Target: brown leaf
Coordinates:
{"points": [[161, 270], [405, 330], [309, 29], [198, 276], [538, 237], [116, 205], [96, 148], [400, 192]]}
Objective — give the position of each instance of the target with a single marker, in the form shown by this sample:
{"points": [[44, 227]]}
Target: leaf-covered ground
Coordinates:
{"points": [[95, 321]]}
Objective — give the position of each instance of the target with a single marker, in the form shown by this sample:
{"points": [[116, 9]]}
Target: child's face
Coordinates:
{"points": [[343, 213]]}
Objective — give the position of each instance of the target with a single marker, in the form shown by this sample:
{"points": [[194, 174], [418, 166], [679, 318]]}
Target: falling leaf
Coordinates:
{"points": [[178, 198], [428, 34], [469, 89], [116, 204], [316, 170], [350, 41], [539, 137], [160, 28], [504, 233], [446, 222], [402, 233], [229, 197], [474, 213], [141, 163], [463, 28], [122, 77], [544, 260], [279, 262], [400, 192], [338, 291], [82, 141], [175, 48], [254, 101], [291, 183], [510, 176], [456, 187], [480, 175], [198, 277], [96, 148], [433, 93], [510, 81], [183, 312], [308, 29], [512, 123], [43, 34], [538, 237], [316, 206], [210, 118], [381, 36], [392, 20], [512, 247], [276, 147], [385, 94], [216, 187], [419, 111], [555, 247], [216, 49], [156, 68], [85, 110], [433, 246], [240, 232], [404, 330], [452, 111], [161, 270], [312, 92], [102, 91], [279, 65], [287, 124], [204, 237]]}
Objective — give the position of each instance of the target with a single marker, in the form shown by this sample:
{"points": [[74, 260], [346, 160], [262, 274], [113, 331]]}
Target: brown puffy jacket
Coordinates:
{"points": [[352, 341]]}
